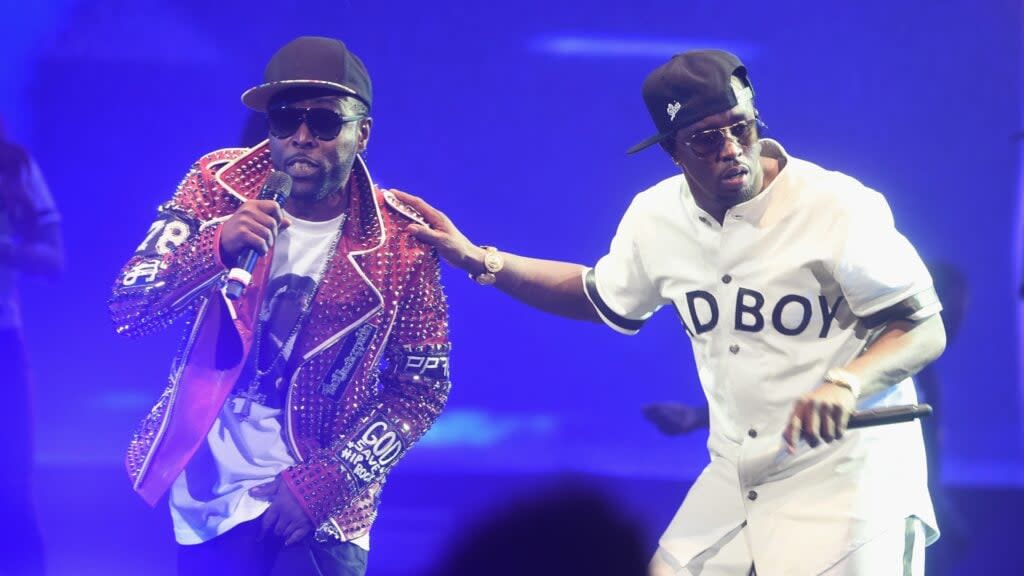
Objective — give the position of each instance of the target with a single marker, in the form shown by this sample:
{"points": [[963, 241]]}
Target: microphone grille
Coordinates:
{"points": [[277, 184]]}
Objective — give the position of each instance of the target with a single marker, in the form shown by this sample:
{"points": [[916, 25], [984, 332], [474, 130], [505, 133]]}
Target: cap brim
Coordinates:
{"points": [[648, 142], [259, 97]]}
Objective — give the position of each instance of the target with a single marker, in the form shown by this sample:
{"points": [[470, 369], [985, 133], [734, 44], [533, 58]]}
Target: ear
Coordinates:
{"points": [[364, 134], [669, 145]]}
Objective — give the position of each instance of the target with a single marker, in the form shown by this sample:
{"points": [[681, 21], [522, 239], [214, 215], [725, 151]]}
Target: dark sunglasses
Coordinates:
{"points": [[708, 142], [325, 124]]}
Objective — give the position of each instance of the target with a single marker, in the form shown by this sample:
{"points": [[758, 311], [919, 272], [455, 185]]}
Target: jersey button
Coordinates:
{"points": [[735, 349], [726, 279], [752, 433], [752, 495]]}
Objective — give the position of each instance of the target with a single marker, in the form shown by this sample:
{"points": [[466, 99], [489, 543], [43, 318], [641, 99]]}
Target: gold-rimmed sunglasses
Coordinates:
{"points": [[708, 142]]}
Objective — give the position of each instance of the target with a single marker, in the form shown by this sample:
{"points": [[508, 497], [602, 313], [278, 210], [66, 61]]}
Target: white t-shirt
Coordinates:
{"points": [[780, 292], [241, 451], [25, 204]]}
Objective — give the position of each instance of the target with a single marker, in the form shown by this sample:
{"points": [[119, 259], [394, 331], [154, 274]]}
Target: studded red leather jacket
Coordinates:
{"points": [[371, 358]]}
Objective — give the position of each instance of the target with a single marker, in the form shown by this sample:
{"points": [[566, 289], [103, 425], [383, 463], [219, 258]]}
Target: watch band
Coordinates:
{"points": [[493, 263], [846, 379]]}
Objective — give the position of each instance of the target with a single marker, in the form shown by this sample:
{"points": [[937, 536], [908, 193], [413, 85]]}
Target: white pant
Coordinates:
{"points": [[898, 551]]}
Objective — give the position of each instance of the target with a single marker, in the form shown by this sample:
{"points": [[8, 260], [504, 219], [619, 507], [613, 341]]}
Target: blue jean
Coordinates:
{"points": [[238, 552]]}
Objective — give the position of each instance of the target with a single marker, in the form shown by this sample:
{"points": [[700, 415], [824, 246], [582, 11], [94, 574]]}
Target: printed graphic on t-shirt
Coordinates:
{"points": [[269, 363]]}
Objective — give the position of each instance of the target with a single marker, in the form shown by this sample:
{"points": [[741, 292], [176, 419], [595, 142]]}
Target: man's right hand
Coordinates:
{"points": [[549, 285], [254, 226], [675, 419], [452, 245]]}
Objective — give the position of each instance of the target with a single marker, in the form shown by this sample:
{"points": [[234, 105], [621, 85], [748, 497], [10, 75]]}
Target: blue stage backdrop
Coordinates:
{"points": [[514, 118]]}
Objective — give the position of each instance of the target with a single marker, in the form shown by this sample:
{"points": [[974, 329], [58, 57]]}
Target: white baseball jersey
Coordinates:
{"points": [[793, 282], [25, 205]]}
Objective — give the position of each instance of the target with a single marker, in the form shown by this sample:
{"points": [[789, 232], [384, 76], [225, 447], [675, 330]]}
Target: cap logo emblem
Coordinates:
{"points": [[673, 108]]}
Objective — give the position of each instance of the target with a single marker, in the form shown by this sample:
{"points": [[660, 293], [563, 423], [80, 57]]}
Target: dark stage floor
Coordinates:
{"points": [[95, 525]]}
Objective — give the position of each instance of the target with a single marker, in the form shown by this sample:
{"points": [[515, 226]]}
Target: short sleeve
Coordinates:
{"points": [[38, 193], [619, 286], [880, 272]]}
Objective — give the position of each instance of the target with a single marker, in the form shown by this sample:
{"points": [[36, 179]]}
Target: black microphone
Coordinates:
{"points": [[277, 188], [888, 415]]}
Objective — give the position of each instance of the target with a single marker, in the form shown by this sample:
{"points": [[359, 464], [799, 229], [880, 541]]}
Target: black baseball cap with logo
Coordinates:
{"points": [[691, 86], [311, 62]]}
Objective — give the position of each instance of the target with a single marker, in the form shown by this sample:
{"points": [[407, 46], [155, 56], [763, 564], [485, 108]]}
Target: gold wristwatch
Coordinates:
{"points": [[493, 263], [846, 379]]}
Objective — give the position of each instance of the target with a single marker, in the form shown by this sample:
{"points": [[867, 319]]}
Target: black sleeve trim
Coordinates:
{"points": [[902, 310], [627, 324]]}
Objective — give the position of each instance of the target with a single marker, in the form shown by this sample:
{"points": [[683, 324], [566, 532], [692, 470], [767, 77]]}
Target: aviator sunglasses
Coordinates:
{"points": [[325, 124], [708, 142]]}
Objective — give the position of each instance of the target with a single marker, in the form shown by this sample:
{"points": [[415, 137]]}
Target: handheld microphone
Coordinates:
{"points": [[888, 415], [277, 188]]}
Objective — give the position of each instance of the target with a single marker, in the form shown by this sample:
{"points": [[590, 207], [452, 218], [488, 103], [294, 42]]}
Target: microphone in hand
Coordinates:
{"points": [[277, 188]]}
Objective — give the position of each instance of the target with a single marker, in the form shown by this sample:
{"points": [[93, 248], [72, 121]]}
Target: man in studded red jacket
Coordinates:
{"points": [[287, 407]]}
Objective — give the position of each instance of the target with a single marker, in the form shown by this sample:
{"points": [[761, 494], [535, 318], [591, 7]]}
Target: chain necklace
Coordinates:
{"points": [[252, 394]]}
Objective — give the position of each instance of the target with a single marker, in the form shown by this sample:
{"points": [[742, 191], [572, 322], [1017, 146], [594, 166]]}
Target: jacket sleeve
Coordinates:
{"points": [[414, 390], [176, 262]]}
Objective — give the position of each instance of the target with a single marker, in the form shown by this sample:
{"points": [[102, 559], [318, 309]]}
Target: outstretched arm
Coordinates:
{"points": [[549, 285]]}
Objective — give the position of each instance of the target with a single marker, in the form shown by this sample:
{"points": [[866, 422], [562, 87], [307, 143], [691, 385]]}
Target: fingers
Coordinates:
{"points": [[262, 217], [264, 491], [432, 215], [827, 414], [266, 207], [830, 417], [262, 225], [291, 529], [425, 234], [815, 421], [791, 435], [254, 226], [268, 522], [657, 414], [415, 201], [653, 412], [284, 518], [442, 234], [296, 535], [266, 212], [843, 420], [276, 521], [672, 419], [812, 425], [260, 242], [796, 426], [282, 526]]}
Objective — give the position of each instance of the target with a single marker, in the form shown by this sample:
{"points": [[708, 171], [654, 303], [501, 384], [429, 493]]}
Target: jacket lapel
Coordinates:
{"points": [[218, 354], [347, 295]]}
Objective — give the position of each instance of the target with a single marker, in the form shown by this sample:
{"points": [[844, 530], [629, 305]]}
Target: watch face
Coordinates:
{"points": [[485, 279], [493, 262]]}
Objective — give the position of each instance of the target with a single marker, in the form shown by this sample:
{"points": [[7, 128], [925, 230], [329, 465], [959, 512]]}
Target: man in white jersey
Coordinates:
{"points": [[803, 302], [287, 406]]}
